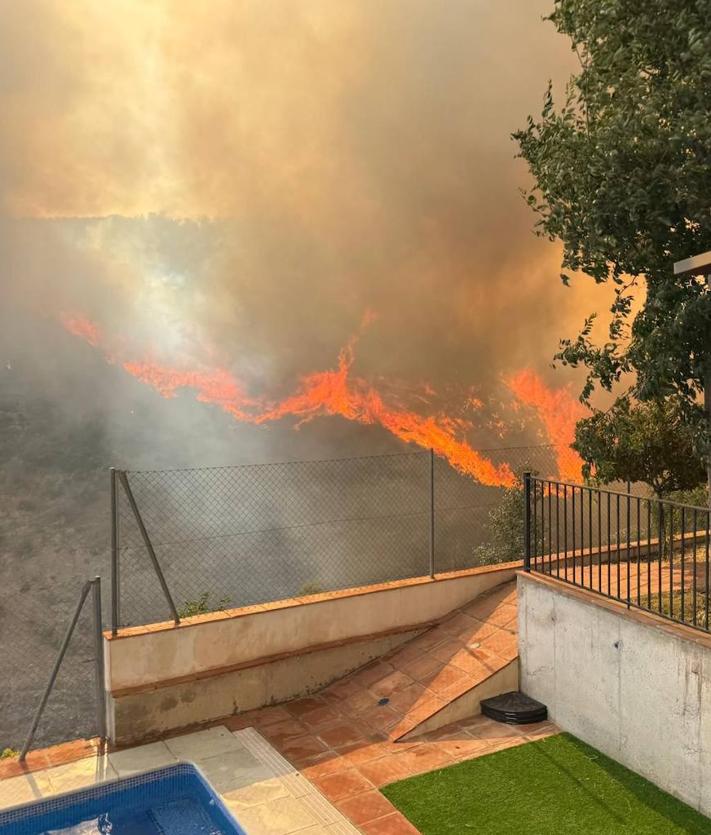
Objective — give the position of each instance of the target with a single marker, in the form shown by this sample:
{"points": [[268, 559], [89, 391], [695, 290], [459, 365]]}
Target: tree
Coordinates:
{"points": [[622, 175], [504, 529], [653, 442]]}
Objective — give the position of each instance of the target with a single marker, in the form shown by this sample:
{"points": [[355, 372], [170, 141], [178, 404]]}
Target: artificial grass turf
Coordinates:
{"points": [[554, 785]]}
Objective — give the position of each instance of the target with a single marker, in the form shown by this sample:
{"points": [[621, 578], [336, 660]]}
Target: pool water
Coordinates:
{"points": [[176, 800]]}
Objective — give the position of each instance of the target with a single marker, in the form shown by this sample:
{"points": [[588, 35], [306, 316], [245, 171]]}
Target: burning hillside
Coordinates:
{"points": [[339, 392]]}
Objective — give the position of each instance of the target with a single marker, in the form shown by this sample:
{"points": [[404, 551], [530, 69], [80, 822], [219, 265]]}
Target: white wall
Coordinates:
{"points": [[145, 656], [627, 683], [164, 676]]}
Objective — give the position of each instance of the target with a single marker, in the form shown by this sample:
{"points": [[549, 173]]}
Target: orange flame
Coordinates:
{"points": [[81, 327], [337, 392], [218, 387], [331, 392], [558, 411]]}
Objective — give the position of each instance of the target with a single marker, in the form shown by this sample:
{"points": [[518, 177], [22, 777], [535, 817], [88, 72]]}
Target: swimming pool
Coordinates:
{"points": [[175, 800]]}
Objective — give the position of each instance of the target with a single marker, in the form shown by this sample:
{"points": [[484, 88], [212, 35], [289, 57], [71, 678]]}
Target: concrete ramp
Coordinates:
{"points": [[442, 675]]}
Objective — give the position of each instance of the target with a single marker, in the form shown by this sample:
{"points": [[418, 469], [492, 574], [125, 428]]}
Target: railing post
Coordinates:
{"points": [[527, 521], [115, 580], [149, 546], [99, 660], [432, 515]]}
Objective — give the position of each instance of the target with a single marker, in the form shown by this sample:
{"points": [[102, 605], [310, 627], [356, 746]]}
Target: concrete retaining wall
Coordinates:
{"points": [[626, 682], [164, 676]]}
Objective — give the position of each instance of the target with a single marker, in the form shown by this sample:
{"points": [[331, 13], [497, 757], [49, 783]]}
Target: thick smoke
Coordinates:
{"points": [[235, 185], [331, 159]]}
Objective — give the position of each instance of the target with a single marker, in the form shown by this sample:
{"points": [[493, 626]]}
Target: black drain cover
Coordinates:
{"points": [[514, 708]]}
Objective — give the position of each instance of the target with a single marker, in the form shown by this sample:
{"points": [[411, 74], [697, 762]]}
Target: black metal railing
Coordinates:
{"points": [[646, 552]]}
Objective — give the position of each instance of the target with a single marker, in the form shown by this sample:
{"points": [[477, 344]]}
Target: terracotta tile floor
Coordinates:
{"points": [[349, 761], [345, 738], [398, 692]]}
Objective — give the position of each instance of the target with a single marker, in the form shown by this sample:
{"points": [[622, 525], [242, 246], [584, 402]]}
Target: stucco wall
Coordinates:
{"points": [[623, 681], [137, 716], [148, 655], [165, 676]]}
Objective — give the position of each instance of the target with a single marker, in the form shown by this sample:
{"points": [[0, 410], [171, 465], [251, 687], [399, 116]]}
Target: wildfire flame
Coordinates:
{"points": [[558, 411], [338, 392], [81, 327]]}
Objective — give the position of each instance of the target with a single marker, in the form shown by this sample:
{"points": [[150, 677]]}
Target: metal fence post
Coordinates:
{"points": [[115, 580], [99, 661], [432, 516], [55, 671], [149, 546], [527, 521]]}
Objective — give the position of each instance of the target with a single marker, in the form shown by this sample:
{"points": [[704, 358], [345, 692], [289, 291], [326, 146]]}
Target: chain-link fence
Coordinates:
{"points": [[234, 536], [61, 664]]}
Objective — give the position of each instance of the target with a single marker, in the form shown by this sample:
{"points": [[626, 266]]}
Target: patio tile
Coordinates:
{"points": [[423, 668], [341, 690], [203, 744], [464, 747], [325, 762], [260, 791], [360, 701], [23, 789], [342, 784], [79, 774], [425, 758], [539, 729], [503, 614], [302, 707], [301, 747], [446, 650], [395, 824], [403, 700], [386, 769], [480, 630], [381, 718], [141, 758], [282, 732], [297, 784], [365, 807], [501, 643], [503, 742], [233, 770], [482, 727], [425, 708], [406, 652], [372, 673], [491, 660], [397, 680], [454, 691], [456, 624], [320, 717], [427, 640], [447, 677], [470, 664], [368, 753], [281, 816], [342, 733]]}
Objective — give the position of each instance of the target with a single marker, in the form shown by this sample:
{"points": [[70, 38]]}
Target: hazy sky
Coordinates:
{"points": [[302, 162]]}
